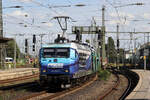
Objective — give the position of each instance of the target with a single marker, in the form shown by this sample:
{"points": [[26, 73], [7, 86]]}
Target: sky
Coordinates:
{"points": [[35, 17]]}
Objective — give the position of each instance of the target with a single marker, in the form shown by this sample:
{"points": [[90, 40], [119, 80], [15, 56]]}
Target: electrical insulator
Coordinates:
{"points": [[34, 38]]}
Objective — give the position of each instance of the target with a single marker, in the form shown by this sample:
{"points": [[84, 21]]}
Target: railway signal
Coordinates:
{"points": [[99, 36], [26, 46], [34, 38], [33, 48], [34, 41]]}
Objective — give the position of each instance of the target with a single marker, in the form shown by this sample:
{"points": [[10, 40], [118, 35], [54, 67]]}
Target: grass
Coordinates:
{"points": [[104, 74], [1, 98], [24, 90]]}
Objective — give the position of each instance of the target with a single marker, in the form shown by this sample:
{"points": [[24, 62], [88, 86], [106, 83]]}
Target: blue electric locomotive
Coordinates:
{"points": [[63, 63]]}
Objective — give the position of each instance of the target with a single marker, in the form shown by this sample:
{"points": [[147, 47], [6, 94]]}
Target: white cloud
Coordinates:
{"points": [[23, 0], [145, 27], [59, 13], [146, 15], [48, 24], [19, 13], [122, 14], [122, 18], [114, 22]]}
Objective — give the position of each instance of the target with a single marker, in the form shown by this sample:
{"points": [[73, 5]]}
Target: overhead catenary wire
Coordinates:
{"points": [[40, 4], [119, 17], [115, 9], [26, 22]]}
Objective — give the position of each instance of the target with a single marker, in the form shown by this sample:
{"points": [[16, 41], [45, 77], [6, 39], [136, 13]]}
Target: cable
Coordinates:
{"points": [[40, 4], [117, 14], [115, 9], [28, 23], [70, 2]]}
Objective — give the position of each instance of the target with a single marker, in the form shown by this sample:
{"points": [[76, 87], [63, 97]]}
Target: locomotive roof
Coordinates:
{"points": [[69, 45]]}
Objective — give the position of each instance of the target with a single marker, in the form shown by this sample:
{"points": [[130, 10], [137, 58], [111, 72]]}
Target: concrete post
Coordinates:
{"points": [[103, 37]]}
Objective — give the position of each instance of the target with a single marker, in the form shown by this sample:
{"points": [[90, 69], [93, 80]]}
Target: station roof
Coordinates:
{"points": [[4, 40]]}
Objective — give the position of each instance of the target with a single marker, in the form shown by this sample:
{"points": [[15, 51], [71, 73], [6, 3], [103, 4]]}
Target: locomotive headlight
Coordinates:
{"points": [[44, 70], [66, 70]]}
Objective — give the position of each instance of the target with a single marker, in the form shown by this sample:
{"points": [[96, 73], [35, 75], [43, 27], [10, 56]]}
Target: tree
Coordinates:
{"points": [[121, 55], [87, 41], [10, 49], [111, 51]]}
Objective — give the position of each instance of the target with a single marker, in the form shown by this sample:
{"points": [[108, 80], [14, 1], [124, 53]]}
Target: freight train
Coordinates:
{"points": [[67, 63]]}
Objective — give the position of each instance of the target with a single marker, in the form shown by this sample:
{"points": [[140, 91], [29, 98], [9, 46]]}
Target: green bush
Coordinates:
{"points": [[104, 74]]}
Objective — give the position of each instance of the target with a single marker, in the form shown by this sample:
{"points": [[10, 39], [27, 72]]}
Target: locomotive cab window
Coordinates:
{"points": [[62, 53], [56, 53], [48, 52]]}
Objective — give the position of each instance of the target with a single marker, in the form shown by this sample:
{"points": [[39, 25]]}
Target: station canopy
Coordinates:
{"points": [[4, 40]]}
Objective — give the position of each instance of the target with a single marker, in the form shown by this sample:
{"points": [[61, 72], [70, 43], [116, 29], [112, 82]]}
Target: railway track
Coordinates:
{"points": [[110, 90], [45, 95], [12, 88], [132, 82], [19, 79], [11, 85]]}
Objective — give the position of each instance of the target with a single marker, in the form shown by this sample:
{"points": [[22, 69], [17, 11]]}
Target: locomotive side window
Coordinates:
{"points": [[82, 58]]}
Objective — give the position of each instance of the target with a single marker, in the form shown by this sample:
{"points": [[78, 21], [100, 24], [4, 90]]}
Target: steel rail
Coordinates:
{"points": [[33, 95], [110, 89], [69, 91], [12, 88], [128, 88], [19, 78], [59, 94]]}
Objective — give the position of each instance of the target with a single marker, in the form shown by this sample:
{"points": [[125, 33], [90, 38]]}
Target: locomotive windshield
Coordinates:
{"points": [[56, 52]]}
